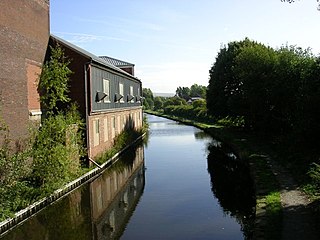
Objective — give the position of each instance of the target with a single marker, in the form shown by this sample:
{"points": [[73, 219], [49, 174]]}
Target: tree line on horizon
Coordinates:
{"points": [[266, 91]]}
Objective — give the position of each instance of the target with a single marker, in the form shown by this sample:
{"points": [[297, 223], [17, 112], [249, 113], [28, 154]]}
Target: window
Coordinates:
{"points": [[138, 95], [121, 92], [96, 132], [124, 122], [106, 90], [105, 126], [118, 124], [113, 127], [131, 94]]}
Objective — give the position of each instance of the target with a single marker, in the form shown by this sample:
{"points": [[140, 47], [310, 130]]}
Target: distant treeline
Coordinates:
{"points": [[188, 103]]}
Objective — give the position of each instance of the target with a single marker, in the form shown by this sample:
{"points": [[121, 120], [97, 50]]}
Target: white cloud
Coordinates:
{"points": [[167, 77], [85, 38]]}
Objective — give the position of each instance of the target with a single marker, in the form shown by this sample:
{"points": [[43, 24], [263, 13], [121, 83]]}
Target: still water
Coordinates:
{"points": [[181, 184]]}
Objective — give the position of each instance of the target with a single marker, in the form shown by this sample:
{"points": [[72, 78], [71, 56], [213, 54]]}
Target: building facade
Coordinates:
{"points": [[24, 36], [108, 97]]}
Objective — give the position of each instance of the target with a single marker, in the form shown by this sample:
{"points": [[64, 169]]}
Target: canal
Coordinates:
{"points": [[179, 184]]}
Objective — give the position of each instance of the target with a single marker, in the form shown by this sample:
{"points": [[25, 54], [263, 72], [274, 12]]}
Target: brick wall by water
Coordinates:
{"points": [[24, 35]]}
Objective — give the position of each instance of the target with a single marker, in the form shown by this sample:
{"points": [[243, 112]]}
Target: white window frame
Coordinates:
{"points": [[138, 95], [131, 93], [106, 90], [113, 126], [96, 132], [106, 132], [121, 92]]}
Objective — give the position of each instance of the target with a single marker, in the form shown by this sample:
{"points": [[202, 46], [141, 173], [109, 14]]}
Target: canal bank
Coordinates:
{"points": [[187, 194], [33, 209], [283, 211]]}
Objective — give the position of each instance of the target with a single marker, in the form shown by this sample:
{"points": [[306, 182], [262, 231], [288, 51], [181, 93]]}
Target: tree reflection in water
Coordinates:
{"points": [[232, 185]]}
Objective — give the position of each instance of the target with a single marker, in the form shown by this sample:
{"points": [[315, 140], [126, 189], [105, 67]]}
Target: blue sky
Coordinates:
{"points": [[175, 42]]}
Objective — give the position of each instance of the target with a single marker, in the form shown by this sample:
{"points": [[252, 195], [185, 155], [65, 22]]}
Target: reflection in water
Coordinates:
{"points": [[115, 195], [98, 210], [232, 185]]}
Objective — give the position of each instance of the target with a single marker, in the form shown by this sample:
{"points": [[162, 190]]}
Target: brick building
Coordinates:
{"points": [[24, 35], [109, 98]]}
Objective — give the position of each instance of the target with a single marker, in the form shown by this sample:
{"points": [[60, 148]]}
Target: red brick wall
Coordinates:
{"points": [[120, 115], [24, 35], [33, 70]]}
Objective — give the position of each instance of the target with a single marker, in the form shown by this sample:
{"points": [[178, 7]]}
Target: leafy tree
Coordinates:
{"points": [[158, 103], [174, 101], [224, 94], [254, 68], [183, 92], [198, 91], [292, 1], [148, 98], [54, 80], [59, 144]]}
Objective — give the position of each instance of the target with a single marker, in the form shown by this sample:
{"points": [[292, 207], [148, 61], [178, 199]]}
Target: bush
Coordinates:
{"points": [[314, 174], [57, 152]]}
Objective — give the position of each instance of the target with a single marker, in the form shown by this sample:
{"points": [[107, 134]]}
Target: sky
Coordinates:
{"points": [[174, 43]]}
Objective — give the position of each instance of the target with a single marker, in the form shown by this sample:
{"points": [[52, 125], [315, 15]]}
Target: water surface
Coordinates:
{"points": [[181, 184]]}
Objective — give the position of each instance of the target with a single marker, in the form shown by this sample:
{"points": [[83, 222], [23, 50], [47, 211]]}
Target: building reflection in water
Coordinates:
{"points": [[115, 194], [97, 210]]}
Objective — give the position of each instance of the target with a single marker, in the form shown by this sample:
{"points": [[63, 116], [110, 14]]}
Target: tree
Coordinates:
{"points": [[183, 92], [54, 81], [148, 98], [292, 1], [254, 68], [158, 103], [224, 94], [198, 91]]}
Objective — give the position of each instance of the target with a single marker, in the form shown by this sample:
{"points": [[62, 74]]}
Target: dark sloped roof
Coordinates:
{"points": [[91, 56], [116, 62]]}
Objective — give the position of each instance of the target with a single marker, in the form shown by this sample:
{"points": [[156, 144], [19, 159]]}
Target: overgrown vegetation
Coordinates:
{"points": [[276, 92], [15, 191], [57, 150], [54, 81], [183, 107], [51, 157]]}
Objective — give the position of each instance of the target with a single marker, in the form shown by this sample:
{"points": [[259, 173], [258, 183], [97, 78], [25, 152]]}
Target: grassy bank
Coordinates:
{"points": [[23, 192], [250, 149]]}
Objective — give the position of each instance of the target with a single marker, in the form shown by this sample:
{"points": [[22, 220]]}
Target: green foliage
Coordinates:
{"points": [[148, 101], [183, 92], [231, 122], [194, 91], [57, 150], [122, 140], [51, 158], [158, 103], [15, 193], [314, 174], [54, 79], [174, 101], [276, 91]]}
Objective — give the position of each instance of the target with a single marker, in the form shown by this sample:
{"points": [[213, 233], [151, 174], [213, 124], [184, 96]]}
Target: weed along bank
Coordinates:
{"points": [[109, 98]]}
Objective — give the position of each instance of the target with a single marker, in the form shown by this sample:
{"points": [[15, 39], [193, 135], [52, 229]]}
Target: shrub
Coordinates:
{"points": [[57, 152]]}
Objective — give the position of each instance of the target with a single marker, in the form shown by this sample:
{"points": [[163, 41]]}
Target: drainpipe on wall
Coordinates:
{"points": [[86, 66]]}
